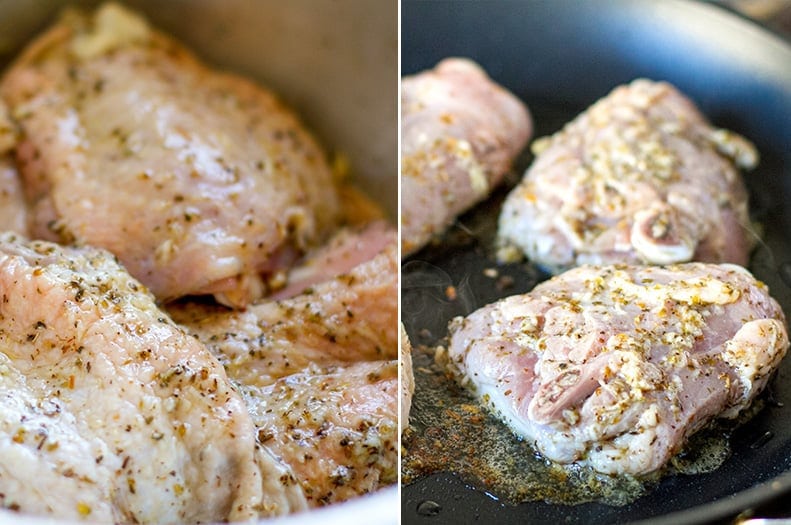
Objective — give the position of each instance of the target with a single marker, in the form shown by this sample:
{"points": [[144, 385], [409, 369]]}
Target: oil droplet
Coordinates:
{"points": [[771, 398], [762, 440], [429, 508]]}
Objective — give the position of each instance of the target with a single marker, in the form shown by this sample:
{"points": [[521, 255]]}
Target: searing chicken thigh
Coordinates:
{"points": [[616, 366], [640, 178], [200, 182], [460, 131], [112, 413], [318, 370]]}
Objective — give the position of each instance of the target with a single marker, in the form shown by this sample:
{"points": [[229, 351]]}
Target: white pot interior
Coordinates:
{"points": [[334, 61]]}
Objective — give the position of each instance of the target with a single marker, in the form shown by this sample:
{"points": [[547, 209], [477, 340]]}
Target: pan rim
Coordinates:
{"points": [[777, 483]]}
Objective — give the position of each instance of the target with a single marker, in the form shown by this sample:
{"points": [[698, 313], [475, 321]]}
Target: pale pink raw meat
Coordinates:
{"points": [[351, 317], [640, 178], [336, 427], [199, 181], [460, 132], [13, 209], [113, 413], [318, 370], [347, 248], [616, 366]]}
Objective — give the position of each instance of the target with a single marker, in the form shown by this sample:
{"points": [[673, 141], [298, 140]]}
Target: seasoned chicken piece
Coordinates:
{"points": [[47, 465], [351, 317], [616, 366], [318, 370], [112, 413], [347, 249], [407, 379], [200, 182], [460, 132], [336, 427], [638, 178]]}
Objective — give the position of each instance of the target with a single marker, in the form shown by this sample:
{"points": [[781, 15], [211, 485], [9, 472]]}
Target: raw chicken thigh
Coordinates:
{"points": [[616, 366], [110, 412], [460, 131], [318, 370], [351, 317], [199, 181], [336, 427], [347, 249], [638, 178]]}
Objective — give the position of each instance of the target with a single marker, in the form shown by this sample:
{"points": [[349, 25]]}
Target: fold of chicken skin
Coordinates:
{"points": [[615, 366], [640, 177], [111, 412], [350, 317], [199, 181], [347, 249], [460, 131]]}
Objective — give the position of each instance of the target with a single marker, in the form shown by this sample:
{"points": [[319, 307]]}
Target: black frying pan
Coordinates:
{"points": [[560, 56]]}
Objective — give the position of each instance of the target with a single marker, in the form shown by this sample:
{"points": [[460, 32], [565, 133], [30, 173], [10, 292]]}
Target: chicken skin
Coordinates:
{"points": [[460, 131], [615, 366], [336, 427], [110, 412], [350, 317], [639, 178], [318, 368], [199, 181]]}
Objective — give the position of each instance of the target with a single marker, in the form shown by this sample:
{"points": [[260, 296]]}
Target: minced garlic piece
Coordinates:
{"points": [[114, 27]]}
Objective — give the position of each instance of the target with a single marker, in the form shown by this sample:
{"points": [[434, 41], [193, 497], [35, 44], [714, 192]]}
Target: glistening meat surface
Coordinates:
{"points": [[200, 182], [110, 411], [336, 427], [640, 178], [460, 131], [350, 317], [616, 366], [318, 370], [347, 249]]}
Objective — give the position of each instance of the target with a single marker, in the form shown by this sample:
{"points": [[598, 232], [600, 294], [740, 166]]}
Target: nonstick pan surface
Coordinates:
{"points": [[559, 57]]}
